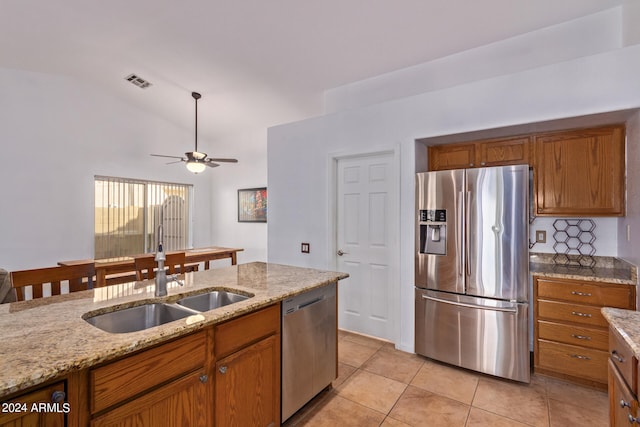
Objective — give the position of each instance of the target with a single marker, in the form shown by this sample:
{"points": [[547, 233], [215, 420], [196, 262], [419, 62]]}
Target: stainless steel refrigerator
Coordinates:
{"points": [[472, 269]]}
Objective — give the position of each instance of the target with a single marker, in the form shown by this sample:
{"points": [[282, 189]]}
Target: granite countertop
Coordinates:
{"points": [[607, 269], [47, 338], [627, 323]]}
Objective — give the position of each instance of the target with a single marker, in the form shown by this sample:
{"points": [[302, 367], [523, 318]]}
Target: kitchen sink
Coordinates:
{"points": [[139, 318], [211, 300]]}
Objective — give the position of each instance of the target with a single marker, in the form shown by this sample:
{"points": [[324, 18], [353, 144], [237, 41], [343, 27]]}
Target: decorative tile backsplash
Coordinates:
{"points": [[574, 242]]}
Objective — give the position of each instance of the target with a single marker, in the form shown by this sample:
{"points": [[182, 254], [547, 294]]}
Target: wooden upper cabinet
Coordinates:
{"points": [[580, 172], [490, 152], [505, 151], [454, 156]]}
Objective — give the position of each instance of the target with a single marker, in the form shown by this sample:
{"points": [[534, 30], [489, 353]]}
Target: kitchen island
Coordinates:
{"points": [[48, 340], [624, 353]]}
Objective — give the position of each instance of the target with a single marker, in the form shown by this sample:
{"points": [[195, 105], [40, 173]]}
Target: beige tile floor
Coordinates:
{"points": [[380, 386]]}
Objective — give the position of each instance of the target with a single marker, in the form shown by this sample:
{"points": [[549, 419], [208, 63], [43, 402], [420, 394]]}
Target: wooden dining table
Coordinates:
{"points": [[120, 266]]}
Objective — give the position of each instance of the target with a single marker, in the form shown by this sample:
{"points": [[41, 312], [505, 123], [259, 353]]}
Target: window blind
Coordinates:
{"points": [[128, 212]]}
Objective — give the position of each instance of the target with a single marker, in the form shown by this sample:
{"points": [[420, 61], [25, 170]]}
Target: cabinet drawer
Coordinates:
{"points": [[577, 335], [573, 360], [623, 358], [609, 295], [135, 374], [584, 314], [182, 402], [237, 333]]}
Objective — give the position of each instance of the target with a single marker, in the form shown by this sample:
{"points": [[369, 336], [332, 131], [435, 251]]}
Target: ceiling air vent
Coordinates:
{"points": [[138, 81]]}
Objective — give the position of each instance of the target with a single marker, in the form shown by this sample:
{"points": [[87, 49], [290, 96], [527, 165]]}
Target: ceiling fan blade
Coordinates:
{"points": [[171, 157], [224, 160], [177, 161], [209, 163]]}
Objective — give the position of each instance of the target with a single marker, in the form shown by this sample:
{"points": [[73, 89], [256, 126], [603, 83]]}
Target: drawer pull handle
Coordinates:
{"points": [[577, 313], [616, 356], [624, 404], [581, 337], [222, 369], [632, 419], [581, 294], [579, 356]]}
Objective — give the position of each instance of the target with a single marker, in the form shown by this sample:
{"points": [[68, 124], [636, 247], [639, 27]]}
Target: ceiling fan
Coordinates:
{"points": [[196, 161]]}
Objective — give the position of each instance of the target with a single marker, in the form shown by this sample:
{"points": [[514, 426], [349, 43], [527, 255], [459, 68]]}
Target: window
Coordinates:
{"points": [[128, 212]]}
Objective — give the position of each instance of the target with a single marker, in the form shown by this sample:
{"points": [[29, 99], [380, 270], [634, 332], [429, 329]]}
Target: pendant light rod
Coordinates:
{"points": [[196, 96]]}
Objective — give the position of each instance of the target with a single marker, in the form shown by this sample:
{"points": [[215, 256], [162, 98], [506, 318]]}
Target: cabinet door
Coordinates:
{"points": [[505, 151], [180, 403], [18, 411], [247, 387], [455, 156], [580, 172], [623, 407]]}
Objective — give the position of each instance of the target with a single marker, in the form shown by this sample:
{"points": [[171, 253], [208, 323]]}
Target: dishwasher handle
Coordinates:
{"points": [[308, 303], [304, 304]]}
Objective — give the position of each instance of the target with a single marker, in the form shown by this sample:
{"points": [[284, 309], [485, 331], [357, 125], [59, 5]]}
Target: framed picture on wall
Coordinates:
{"points": [[252, 205]]}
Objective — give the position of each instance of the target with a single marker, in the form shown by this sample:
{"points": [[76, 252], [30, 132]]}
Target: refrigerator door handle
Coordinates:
{"points": [[467, 258], [463, 304], [461, 233]]}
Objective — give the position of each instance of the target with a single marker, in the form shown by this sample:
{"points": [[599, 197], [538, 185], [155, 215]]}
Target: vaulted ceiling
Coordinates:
{"points": [[257, 63]]}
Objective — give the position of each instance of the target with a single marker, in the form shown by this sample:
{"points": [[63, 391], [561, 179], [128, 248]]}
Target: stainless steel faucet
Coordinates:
{"points": [[161, 273]]}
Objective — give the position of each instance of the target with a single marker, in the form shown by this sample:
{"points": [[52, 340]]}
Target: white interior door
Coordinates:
{"points": [[367, 210]]}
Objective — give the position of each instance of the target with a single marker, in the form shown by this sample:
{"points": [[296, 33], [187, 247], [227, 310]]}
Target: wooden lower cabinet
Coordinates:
{"points": [[623, 382], [223, 375], [571, 337], [623, 406], [19, 411], [247, 386], [167, 385], [247, 371], [183, 402]]}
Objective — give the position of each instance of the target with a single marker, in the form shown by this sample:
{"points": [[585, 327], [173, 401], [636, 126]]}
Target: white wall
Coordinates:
{"points": [[297, 153], [605, 233], [585, 36], [629, 246], [55, 135], [630, 19], [250, 172]]}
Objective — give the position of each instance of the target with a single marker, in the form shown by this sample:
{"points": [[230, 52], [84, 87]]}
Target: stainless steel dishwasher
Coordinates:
{"points": [[309, 346]]}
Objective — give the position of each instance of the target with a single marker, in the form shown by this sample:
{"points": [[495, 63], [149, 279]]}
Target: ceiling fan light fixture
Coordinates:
{"points": [[197, 161], [196, 166]]}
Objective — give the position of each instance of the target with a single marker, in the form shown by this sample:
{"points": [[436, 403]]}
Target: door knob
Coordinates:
{"points": [[341, 252]]}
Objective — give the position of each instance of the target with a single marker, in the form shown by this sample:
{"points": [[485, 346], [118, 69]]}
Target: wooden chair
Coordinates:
{"points": [[80, 277], [146, 265]]}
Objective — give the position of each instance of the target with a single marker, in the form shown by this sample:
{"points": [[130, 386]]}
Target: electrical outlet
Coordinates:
{"points": [[541, 236], [305, 248]]}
